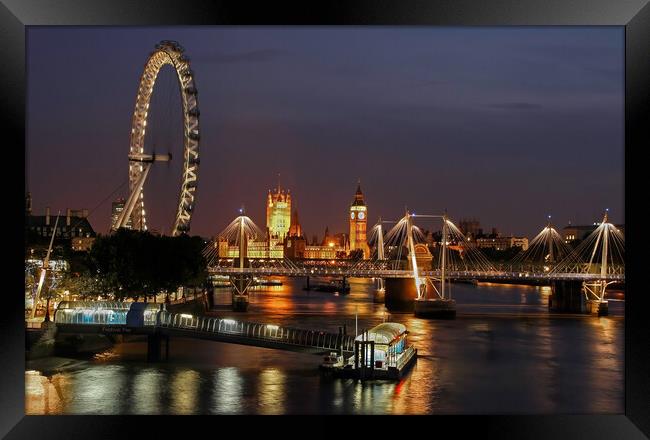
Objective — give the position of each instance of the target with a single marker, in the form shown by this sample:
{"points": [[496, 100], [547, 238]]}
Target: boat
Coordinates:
{"points": [[266, 282], [333, 288], [329, 286], [382, 352], [331, 361]]}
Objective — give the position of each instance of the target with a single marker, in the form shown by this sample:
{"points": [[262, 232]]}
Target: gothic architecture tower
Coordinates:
{"points": [[358, 222], [278, 213], [295, 230]]}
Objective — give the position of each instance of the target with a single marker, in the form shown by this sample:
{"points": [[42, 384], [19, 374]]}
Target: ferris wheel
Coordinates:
{"points": [[133, 214]]}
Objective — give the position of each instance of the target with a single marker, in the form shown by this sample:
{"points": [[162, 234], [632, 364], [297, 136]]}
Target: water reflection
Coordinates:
{"points": [[271, 391], [227, 395], [147, 387], [184, 388], [503, 354]]}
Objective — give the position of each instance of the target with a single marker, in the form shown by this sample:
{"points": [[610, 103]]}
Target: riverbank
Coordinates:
{"points": [[55, 364]]}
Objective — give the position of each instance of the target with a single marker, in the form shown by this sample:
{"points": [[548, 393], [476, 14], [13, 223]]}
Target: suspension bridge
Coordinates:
{"points": [[596, 263], [579, 277]]}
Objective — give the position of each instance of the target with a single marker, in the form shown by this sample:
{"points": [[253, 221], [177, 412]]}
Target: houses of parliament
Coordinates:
{"points": [[285, 238]]}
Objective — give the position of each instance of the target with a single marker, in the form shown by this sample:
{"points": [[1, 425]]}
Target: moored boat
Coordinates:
{"points": [[382, 352]]}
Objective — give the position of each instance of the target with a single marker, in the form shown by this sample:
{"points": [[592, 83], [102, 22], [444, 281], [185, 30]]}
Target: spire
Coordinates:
{"points": [[327, 233], [295, 230], [278, 183], [358, 196]]}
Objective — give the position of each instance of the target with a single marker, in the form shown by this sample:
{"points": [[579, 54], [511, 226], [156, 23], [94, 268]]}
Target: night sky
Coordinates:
{"points": [[506, 125]]}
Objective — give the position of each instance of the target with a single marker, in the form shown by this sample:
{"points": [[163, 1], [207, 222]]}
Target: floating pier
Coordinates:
{"points": [[379, 353]]}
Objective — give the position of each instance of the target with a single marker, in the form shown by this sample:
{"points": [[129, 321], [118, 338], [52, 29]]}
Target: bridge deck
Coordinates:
{"points": [[390, 273], [215, 329], [257, 334]]}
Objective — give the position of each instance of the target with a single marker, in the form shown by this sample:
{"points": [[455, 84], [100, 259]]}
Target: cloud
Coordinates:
{"points": [[515, 105], [251, 56]]}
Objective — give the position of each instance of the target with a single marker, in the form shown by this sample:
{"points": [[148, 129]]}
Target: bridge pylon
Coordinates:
{"points": [[240, 285], [380, 288], [605, 248], [440, 305]]}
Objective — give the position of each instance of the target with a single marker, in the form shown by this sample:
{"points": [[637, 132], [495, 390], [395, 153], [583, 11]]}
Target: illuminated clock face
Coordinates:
{"points": [[352, 215], [362, 215]]}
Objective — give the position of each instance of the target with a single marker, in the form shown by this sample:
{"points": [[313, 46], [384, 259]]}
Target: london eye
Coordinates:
{"points": [[134, 214]]}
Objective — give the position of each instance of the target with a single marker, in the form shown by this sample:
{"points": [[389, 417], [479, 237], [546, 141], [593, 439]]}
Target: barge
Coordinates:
{"points": [[333, 286], [379, 353]]}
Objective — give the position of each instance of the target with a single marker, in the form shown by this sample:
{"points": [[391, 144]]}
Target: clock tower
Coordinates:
{"points": [[358, 221]]}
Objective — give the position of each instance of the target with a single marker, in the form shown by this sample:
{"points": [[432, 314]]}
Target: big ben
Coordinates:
{"points": [[358, 222]]}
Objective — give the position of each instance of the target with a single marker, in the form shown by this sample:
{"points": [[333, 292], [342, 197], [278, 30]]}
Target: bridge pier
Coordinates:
{"points": [[209, 294], [154, 347], [240, 285], [380, 296], [595, 292], [400, 294], [567, 296], [435, 308], [595, 307]]}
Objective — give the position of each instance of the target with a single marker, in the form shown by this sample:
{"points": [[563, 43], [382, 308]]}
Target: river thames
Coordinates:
{"points": [[503, 354]]}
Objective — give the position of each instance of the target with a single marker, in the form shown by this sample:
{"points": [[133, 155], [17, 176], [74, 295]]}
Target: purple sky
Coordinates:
{"points": [[503, 124]]}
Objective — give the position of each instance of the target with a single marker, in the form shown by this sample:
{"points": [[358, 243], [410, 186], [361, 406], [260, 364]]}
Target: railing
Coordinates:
{"points": [[257, 331], [406, 355], [207, 325], [392, 273], [91, 316]]}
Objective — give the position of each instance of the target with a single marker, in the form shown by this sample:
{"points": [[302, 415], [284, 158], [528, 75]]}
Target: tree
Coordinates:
{"points": [[136, 264]]}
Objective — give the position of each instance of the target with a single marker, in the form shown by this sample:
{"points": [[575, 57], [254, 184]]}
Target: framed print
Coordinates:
{"points": [[362, 209]]}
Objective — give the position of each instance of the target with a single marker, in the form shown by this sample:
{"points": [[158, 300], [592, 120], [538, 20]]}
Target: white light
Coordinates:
{"points": [[229, 321], [185, 315], [272, 327]]}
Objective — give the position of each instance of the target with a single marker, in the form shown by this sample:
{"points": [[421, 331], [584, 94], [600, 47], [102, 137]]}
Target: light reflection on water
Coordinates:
{"points": [[503, 354], [228, 391]]}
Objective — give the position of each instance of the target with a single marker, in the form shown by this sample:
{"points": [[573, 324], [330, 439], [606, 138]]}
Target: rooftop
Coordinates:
{"points": [[384, 333]]}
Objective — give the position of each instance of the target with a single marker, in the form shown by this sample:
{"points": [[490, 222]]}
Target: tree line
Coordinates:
{"points": [[136, 265]]}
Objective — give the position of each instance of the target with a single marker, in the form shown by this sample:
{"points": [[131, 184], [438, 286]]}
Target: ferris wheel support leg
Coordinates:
{"points": [[123, 220]]}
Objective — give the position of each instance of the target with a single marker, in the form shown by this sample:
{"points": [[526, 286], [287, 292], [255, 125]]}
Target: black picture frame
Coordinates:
{"points": [[16, 15]]}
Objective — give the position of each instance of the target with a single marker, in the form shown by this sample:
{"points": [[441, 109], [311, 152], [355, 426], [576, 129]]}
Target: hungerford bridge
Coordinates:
{"points": [[579, 276]]}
